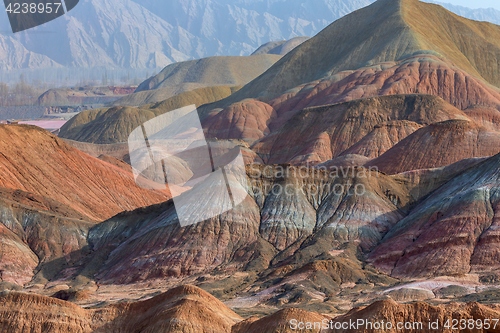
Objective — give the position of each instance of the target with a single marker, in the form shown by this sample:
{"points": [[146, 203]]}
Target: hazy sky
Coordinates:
{"points": [[475, 3]]}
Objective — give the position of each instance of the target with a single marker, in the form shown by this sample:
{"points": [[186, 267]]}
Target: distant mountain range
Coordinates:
{"points": [[480, 14], [149, 35], [137, 37]]}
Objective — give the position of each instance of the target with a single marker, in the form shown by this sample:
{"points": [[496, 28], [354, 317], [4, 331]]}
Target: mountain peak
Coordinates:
{"points": [[387, 30]]}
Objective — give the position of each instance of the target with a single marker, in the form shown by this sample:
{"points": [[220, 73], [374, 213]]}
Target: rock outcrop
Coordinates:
{"points": [[417, 317], [316, 135], [416, 74], [184, 309], [186, 76], [438, 145], [37, 162], [113, 125], [289, 210], [387, 30], [451, 232], [279, 322]]}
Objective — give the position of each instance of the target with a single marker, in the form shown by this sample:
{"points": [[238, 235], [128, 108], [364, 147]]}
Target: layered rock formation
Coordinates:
{"points": [[195, 74], [417, 317], [451, 232], [189, 309], [309, 207], [38, 231], [183, 309], [37, 162], [114, 125], [50, 196], [399, 132], [438, 145], [322, 133], [278, 322], [387, 30], [424, 73]]}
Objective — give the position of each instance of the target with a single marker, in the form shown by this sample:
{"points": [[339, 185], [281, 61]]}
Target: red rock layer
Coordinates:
{"points": [[35, 161], [419, 313], [316, 135], [184, 309], [454, 231], [382, 138], [254, 120], [438, 145], [278, 322], [422, 74]]}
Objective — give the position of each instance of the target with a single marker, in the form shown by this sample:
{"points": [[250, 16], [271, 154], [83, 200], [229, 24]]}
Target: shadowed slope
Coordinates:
{"points": [[453, 231], [110, 126], [383, 138], [392, 312], [438, 145]]}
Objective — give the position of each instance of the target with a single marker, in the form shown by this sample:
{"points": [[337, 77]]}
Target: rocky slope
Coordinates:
{"points": [[335, 118], [417, 313], [150, 244], [419, 66], [190, 75], [51, 194], [114, 125], [438, 145], [382, 138], [422, 74], [38, 231], [334, 236], [278, 322], [303, 237], [451, 232], [14, 54], [280, 47], [387, 30], [37, 162], [308, 137], [183, 309], [189, 309]]}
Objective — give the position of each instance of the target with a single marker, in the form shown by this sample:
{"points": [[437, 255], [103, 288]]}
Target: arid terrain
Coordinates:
{"points": [[372, 156]]}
